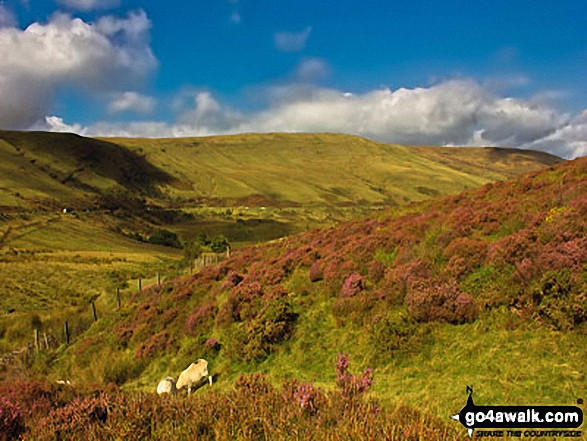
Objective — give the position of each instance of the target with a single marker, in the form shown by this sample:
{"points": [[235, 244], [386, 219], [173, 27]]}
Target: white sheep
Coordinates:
{"points": [[193, 375], [167, 386]]}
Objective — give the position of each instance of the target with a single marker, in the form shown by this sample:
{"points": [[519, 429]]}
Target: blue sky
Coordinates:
{"points": [[453, 72]]}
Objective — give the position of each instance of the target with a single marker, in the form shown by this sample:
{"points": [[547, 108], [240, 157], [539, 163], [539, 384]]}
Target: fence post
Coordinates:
{"points": [[118, 296], [140, 284], [66, 330], [46, 341], [37, 341], [95, 314]]}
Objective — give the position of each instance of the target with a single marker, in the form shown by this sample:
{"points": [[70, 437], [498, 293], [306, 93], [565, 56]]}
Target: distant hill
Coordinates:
{"points": [[323, 169], [244, 170]]}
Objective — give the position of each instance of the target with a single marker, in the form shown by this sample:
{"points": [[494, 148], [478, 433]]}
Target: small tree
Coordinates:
{"points": [[219, 244], [191, 250], [203, 239]]}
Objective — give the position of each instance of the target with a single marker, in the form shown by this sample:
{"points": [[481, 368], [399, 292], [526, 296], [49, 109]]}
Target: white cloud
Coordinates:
{"points": [[7, 17], [312, 70], [569, 140], [88, 5], [56, 124], [132, 102], [292, 41], [67, 52], [458, 113]]}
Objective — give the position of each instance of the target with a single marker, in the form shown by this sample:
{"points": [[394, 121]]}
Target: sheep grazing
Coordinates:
{"points": [[167, 386], [193, 375]]}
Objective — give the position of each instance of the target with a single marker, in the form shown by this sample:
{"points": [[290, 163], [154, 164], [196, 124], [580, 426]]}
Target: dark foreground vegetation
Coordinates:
{"points": [[254, 409]]}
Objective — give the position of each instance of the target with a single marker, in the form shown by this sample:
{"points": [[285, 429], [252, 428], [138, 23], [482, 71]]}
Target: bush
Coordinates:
{"points": [[11, 419], [201, 319], [396, 334], [219, 244], [352, 286], [560, 300], [441, 301], [316, 273], [164, 237]]}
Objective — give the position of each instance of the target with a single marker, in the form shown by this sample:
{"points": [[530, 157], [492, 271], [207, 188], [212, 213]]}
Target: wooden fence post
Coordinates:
{"points": [[66, 330], [46, 341], [95, 314], [37, 341], [140, 284], [118, 296]]}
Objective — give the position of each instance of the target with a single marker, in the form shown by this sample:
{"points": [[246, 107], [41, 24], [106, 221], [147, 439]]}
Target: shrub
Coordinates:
{"points": [[219, 244], [157, 343], [396, 334], [76, 418], [351, 386], [441, 301], [352, 286], [355, 310], [11, 419], [232, 280], [316, 273], [164, 237], [201, 319], [560, 300]]}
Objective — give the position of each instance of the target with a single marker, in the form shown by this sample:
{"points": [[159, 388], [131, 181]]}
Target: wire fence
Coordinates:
{"points": [[50, 340]]}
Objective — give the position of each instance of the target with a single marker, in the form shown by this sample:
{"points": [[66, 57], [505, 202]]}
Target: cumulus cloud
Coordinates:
{"points": [[88, 5], [568, 141], [132, 102], [68, 52], [56, 124], [292, 41], [457, 113]]}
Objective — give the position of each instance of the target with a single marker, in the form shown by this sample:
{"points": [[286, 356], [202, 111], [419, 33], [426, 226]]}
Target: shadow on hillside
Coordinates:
{"points": [[103, 158]]}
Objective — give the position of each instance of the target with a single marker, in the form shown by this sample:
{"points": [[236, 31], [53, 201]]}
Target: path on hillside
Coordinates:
{"points": [[20, 230]]}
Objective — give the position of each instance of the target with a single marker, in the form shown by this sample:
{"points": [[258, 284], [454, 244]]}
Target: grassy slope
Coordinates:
{"points": [[255, 170], [519, 241], [324, 169]]}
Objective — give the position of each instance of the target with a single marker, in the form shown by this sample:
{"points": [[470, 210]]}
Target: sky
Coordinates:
{"points": [[451, 72]]}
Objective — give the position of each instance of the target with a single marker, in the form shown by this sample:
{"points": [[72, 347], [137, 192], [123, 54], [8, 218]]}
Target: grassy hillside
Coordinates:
{"points": [[244, 170], [464, 289], [323, 169]]}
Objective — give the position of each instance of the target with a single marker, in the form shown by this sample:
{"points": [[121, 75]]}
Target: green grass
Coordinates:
{"points": [[323, 169]]}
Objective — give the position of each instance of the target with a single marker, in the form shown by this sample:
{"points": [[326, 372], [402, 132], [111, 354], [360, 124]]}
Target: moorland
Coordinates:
{"points": [[420, 269]]}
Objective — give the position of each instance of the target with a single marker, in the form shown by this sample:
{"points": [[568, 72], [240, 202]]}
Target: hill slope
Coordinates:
{"points": [[255, 170], [458, 290], [324, 169]]}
